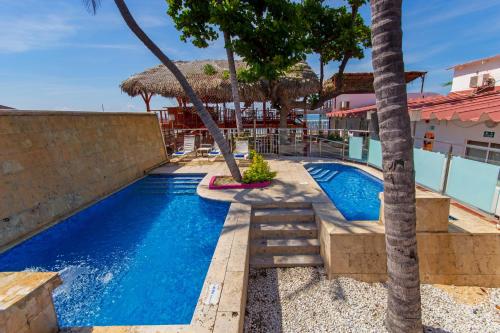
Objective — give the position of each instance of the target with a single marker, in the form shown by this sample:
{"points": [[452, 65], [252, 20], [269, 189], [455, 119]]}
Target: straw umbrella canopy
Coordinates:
{"points": [[357, 83], [210, 81]]}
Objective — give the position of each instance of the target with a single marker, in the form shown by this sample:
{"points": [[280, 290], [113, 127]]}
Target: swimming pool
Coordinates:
{"points": [[353, 191], [138, 257]]}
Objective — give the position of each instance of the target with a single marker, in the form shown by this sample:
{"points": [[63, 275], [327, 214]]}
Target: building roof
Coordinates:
{"points": [[358, 83], [462, 106], [475, 62]]}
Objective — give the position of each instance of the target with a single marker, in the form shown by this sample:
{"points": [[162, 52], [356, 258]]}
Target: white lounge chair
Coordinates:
{"points": [[215, 152], [188, 147], [241, 150]]}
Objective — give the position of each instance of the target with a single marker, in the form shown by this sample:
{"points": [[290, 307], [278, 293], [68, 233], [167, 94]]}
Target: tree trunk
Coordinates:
{"points": [[284, 110], [321, 74], [234, 82], [403, 301], [283, 137], [373, 126], [202, 112]]}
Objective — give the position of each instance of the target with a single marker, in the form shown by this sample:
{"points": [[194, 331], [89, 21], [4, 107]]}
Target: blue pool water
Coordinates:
{"points": [[353, 191], [138, 257]]}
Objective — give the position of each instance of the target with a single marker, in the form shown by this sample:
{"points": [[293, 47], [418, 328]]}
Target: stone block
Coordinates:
{"points": [[433, 211]]}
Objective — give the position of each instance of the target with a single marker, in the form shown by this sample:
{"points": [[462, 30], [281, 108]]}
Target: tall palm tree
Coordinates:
{"points": [[207, 119], [234, 81], [403, 301]]}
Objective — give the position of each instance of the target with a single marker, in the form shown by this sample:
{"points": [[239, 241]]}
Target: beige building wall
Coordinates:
{"points": [[54, 163]]}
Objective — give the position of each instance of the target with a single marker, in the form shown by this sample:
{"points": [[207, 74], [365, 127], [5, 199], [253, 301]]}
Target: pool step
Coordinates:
{"points": [[328, 177], [287, 260], [178, 185], [284, 236], [323, 175], [285, 245]]}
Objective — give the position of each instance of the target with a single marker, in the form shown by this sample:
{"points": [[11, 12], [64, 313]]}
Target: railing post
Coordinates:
{"points": [[343, 148], [320, 147], [295, 143], [310, 145], [368, 150], [447, 169]]}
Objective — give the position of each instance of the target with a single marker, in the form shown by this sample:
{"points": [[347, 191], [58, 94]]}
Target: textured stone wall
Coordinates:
{"points": [[53, 163], [445, 258], [26, 302], [357, 249]]}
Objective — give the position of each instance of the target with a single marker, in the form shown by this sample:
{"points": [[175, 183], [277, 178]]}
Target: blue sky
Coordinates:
{"points": [[55, 55]]}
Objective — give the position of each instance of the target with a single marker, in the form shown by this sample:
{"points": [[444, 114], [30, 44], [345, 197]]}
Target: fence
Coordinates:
{"points": [[469, 181]]}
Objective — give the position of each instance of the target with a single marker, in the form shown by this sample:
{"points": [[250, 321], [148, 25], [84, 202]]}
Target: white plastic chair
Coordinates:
{"points": [[241, 150], [188, 147]]}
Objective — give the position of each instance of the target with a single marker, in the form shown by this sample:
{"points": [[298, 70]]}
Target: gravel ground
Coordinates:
{"points": [[303, 300]]}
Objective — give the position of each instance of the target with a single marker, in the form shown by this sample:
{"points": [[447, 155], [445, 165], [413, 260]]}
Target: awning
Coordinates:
{"points": [[464, 106]]}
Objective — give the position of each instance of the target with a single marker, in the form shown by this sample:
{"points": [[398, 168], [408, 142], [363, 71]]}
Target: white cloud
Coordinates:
{"points": [[152, 21], [22, 34], [451, 10]]}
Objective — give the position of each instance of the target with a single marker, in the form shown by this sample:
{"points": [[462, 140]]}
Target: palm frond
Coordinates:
{"points": [[92, 5]]}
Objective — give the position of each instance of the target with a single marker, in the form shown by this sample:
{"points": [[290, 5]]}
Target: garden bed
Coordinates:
{"points": [[228, 182]]}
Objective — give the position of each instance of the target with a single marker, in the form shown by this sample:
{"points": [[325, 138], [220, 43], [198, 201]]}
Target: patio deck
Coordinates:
{"points": [[294, 184]]}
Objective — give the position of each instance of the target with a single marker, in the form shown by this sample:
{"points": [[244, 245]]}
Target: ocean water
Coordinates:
{"points": [[353, 191], [138, 257]]}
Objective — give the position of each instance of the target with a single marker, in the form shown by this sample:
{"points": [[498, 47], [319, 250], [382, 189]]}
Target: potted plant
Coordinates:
{"points": [[258, 175]]}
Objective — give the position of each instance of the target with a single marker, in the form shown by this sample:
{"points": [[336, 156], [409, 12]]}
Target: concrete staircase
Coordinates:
{"points": [[284, 235]]}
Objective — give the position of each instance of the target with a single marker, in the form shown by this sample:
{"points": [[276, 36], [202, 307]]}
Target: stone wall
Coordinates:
{"points": [[26, 302], [445, 258], [54, 163], [456, 256]]}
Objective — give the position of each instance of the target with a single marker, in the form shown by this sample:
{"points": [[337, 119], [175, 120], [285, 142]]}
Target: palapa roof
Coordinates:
{"points": [[299, 81], [358, 83]]}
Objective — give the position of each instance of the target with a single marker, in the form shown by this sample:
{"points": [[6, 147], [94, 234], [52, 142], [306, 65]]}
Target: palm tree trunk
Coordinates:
{"points": [[202, 112], [403, 301], [321, 74], [234, 82]]}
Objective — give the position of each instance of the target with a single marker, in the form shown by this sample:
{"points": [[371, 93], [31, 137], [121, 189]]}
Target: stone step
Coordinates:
{"points": [[291, 260], [280, 204], [285, 246], [283, 215], [284, 230], [321, 174]]}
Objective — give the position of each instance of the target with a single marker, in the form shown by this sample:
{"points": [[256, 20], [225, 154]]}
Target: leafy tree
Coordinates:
{"points": [[335, 33], [205, 116], [198, 21], [267, 34], [403, 298]]}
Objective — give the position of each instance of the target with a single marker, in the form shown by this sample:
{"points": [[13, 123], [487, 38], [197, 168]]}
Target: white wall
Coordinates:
{"points": [[360, 100], [455, 132], [462, 74]]}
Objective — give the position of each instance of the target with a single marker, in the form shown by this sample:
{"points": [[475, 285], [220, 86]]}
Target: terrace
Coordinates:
{"points": [[271, 239]]}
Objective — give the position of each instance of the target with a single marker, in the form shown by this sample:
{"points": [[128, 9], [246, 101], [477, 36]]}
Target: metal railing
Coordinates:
{"points": [[321, 143]]}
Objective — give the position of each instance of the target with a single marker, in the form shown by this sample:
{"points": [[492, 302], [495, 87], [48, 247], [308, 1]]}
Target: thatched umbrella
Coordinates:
{"points": [[210, 80], [357, 83]]}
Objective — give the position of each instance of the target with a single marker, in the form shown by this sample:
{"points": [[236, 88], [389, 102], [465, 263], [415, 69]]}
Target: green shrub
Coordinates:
{"points": [[258, 171], [208, 69]]}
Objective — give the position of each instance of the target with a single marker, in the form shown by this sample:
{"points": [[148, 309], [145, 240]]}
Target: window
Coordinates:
{"points": [[473, 81], [488, 152]]}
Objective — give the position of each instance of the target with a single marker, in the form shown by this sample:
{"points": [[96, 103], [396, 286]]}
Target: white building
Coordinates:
{"points": [[465, 121]]}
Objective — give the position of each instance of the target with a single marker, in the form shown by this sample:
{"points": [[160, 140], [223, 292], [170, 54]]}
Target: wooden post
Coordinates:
{"points": [[146, 97]]}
